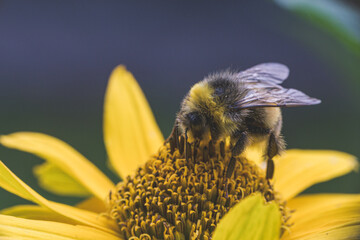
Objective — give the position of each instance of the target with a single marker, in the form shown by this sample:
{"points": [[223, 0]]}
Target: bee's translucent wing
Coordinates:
{"points": [[264, 75], [263, 90], [274, 97]]}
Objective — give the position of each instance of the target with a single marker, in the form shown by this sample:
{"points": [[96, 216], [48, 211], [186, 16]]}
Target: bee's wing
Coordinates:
{"points": [[264, 75], [274, 97], [263, 90]]}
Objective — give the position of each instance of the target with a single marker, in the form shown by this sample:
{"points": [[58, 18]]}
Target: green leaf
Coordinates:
{"points": [[336, 17], [54, 180], [250, 219]]}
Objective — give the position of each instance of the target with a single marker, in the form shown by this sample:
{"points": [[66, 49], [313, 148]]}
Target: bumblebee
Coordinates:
{"points": [[244, 106]]}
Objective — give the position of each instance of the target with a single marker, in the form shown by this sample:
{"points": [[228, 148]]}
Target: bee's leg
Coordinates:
{"points": [[275, 145], [239, 147], [186, 146], [174, 132], [173, 139]]}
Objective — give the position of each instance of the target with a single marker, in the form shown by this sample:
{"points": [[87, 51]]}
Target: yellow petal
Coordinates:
{"points": [[325, 216], [55, 180], [297, 170], [10, 182], [36, 213], [130, 131], [63, 156], [36, 229], [92, 204], [250, 219]]}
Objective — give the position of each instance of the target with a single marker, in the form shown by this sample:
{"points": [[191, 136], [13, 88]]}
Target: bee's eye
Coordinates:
{"points": [[195, 119]]}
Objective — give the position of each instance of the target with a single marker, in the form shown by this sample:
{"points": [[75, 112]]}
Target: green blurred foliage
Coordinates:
{"points": [[341, 20], [337, 17]]}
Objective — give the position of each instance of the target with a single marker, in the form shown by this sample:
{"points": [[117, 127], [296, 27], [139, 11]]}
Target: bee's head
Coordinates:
{"points": [[195, 123], [194, 111]]}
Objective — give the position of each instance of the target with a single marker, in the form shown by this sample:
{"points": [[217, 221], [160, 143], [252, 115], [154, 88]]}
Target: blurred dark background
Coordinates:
{"points": [[55, 59]]}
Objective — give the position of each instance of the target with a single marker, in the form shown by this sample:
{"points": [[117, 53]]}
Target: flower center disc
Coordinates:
{"points": [[183, 191]]}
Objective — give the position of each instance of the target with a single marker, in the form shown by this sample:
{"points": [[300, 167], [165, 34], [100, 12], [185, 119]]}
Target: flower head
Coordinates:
{"points": [[172, 189], [185, 196]]}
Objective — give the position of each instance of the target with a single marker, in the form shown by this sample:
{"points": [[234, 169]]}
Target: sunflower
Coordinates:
{"points": [[172, 189]]}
